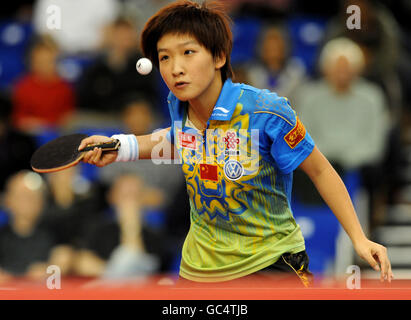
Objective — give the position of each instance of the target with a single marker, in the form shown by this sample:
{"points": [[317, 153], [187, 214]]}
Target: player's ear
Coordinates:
{"points": [[220, 61]]}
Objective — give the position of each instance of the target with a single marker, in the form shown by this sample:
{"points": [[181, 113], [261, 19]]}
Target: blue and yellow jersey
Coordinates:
{"points": [[239, 180]]}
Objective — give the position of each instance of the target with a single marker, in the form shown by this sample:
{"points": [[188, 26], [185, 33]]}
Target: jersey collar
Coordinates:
{"points": [[225, 105], [227, 101]]}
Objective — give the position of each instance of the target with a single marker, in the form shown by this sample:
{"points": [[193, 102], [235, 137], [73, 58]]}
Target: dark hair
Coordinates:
{"points": [[43, 41], [207, 22]]}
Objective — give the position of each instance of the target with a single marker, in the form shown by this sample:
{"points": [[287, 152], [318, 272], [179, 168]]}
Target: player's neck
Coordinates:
{"points": [[202, 106]]}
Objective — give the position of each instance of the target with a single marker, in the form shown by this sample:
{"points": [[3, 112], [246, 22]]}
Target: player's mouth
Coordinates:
{"points": [[181, 85]]}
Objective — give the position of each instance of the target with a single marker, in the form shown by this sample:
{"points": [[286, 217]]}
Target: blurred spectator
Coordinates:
{"points": [[81, 24], [24, 245], [344, 112], [346, 115], [41, 98], [106, 84], [379, 39], [274, 69], [122, 245], [139, 116], [73, 205], [16, 147]]}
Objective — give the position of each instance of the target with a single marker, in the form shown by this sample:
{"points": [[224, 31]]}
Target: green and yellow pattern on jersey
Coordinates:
{"points": [[238, 226]]}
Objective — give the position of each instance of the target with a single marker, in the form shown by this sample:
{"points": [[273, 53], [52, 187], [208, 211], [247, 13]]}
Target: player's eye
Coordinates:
{"points": [[189, 51], [163, 58]]}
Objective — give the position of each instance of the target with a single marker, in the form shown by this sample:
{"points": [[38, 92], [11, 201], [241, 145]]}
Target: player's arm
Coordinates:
{"points": [[156, 145], [151, 146], [333, 191]]}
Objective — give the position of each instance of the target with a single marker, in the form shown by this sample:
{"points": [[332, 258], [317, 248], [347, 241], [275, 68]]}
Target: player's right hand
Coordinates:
{"points": [[376, 255], [96, 156]]}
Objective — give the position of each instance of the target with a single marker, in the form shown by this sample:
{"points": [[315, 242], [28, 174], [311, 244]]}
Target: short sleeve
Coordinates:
{"points": [[291, 143]]}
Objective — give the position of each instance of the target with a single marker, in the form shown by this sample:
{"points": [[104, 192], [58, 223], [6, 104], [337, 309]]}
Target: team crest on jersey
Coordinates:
{"points": [[296, 135], [231, 143], [233, 170]]}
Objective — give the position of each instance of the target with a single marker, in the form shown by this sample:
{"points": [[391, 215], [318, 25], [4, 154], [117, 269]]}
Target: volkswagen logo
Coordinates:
{"points": [[233, 170]]}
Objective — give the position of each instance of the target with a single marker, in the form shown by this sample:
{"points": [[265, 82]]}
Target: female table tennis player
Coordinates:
{"points": [[239, 147]]}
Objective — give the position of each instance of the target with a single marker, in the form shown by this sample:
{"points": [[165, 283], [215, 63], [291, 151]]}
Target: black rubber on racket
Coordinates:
{"points": [[59, 152]]}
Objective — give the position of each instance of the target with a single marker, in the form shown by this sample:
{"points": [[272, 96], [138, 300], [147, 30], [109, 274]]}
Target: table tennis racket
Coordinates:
{"points": [[62, 153]]}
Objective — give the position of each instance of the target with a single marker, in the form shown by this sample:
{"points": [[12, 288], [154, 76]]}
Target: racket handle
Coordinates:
{"points": [[106, 146]]}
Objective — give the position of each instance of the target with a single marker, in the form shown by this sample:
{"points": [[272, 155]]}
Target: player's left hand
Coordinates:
{"points": [[376, 255]]}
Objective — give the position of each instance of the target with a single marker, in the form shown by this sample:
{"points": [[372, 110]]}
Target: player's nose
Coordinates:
{"points": [[177, 68]]}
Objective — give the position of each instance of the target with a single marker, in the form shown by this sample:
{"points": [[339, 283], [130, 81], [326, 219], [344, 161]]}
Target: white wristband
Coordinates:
{"points": [[128, 150]]}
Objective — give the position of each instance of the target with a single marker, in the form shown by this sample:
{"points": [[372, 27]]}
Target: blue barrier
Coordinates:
{"points": [[321, 228]]}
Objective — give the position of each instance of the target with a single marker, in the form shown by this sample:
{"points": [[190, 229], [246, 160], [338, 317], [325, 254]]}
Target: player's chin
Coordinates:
{"points": [[184, 95], [181, 97]]}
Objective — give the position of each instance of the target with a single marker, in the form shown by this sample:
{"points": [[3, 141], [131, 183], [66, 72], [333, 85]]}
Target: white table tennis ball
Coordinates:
{"points": [[144, 66]]}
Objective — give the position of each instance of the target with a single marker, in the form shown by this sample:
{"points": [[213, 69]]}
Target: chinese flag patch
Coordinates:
{"points": [[208, 172], [296, 135]]}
